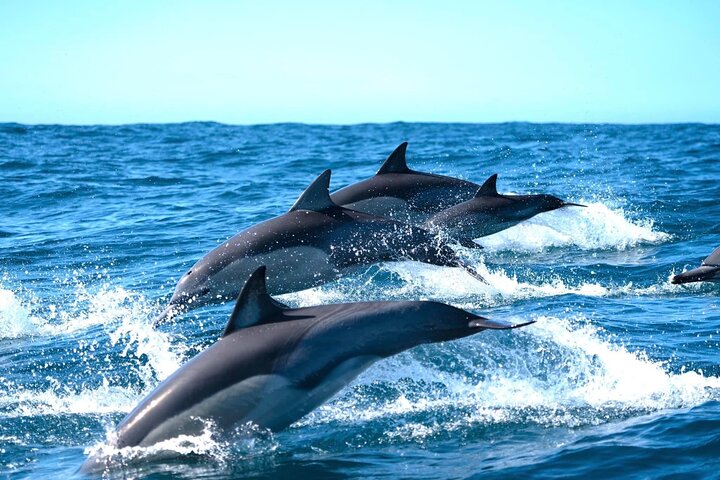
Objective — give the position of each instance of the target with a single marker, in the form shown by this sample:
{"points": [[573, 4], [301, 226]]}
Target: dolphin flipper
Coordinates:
{"points": [[472, 272], [467, 243], [496, 324]]}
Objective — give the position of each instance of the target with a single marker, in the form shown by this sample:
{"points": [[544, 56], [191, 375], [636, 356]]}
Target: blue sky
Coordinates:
{"points": [[87, 62]]}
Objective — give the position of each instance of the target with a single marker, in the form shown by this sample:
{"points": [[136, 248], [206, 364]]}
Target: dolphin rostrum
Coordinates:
{"points": [[274, 364], [489, 212], [315, 242], [708, 271], [404, 194]]}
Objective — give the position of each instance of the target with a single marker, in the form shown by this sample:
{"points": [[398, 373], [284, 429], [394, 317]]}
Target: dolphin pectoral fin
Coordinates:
{"points": [[467, 243], [482, 322], [472, 272]]}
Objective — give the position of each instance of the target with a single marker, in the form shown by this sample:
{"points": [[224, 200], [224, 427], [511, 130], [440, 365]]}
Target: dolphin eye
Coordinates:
{"points": [[188, 273]]}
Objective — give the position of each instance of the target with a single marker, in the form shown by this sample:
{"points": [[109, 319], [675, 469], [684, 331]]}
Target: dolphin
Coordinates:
{"points": [[403, 194], [489, 212], [708, 271], [274, 364], [316, 242]]}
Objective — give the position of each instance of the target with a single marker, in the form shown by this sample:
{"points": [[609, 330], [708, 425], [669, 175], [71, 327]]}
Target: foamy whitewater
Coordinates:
{"points": [[618, 377]]}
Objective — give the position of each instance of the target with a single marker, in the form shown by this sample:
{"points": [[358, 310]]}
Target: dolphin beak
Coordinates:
{"points": [[570, 204], [486, 323], [699, 274], [170, 312], [678, 279]]}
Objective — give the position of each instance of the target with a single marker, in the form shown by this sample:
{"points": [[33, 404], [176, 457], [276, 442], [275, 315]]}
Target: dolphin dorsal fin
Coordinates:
{"points": [[714, 259], [395, 162], [316, 196], [489, 188], [254, 306]]}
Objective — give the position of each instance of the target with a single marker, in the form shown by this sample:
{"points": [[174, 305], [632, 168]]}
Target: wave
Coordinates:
{"points": [[412, 280], [557, 372], [125, 333]]}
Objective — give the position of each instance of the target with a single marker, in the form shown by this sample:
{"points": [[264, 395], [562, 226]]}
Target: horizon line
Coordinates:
{"points": [[351, 124]]}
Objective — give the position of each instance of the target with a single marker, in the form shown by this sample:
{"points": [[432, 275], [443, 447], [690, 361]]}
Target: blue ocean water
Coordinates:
{"points": [[619, 376]]}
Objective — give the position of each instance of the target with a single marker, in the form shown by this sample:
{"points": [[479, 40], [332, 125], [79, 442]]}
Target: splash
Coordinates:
{"points": [[592, 228], [500, 288], [16, 320], [125, 332], [33, 316], [243, 443], [412, 280], [61, 399]]}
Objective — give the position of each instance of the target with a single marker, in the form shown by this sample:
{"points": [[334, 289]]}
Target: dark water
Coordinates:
{"points": [[620, 376]]}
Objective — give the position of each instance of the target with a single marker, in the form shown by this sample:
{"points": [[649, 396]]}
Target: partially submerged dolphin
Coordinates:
{"points": [[274, 364], [708, 271], [315, 242], [489, 212], [403, 194]]}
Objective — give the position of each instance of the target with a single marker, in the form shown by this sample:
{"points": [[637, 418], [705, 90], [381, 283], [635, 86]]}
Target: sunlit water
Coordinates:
{"points": [[619, 376]]}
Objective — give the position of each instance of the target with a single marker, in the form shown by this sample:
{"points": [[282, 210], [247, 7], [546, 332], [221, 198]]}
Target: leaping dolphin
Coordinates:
{"points": [[274, 364], [489, 212], [404, 194], [315, 242], [708, 271]]}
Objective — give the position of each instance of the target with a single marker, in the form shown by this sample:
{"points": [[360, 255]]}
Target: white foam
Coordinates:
{"points": [[591, 228], [454, 285], [125, 319], [59, 399], [31, 316], [555, 372], [244, 442], [106, 456]]}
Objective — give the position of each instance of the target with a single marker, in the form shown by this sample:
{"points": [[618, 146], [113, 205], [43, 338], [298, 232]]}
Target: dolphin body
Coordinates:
{"points": [[489, 212], [315, 242], [708, 271], [274, 364], [404, 194]]}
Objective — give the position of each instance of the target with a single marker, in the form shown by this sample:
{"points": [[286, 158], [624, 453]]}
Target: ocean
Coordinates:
{"points": [[619, 376]]}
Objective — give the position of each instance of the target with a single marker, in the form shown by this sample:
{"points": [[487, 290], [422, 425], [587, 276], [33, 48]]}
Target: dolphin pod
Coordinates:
{"points": [[315, 242], [489, 212], [398, 192], [708, 271], [274, 364]]}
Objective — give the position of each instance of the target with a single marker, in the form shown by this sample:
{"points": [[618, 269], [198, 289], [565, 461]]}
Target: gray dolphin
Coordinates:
{"points": [[403, 194], [274, 364], [708, 271], [315, 242], [489, 212]]}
